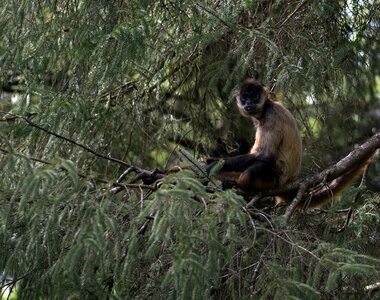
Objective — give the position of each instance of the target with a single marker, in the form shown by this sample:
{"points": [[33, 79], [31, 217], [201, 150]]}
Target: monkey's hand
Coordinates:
{"points": [[228, 184], [152, 179], [211, 160], [210, 163]]}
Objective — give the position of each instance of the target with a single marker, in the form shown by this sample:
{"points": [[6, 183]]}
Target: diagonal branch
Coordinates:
{"points": [[71, 141], [360, 154]]}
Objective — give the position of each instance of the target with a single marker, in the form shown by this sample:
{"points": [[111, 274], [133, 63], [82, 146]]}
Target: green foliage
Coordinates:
{"points": [[218, 166], [179, 242], [134, 79]]}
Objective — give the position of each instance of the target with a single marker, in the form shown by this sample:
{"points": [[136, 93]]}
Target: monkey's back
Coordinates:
{"points": [[277, 135]]}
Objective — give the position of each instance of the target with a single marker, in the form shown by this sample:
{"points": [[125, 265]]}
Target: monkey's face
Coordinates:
{"points": [[251, 99]]}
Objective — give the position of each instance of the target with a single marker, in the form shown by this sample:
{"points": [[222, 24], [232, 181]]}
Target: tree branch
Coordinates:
{"points": [[356, 156], [71, 141], [141, 173], [301, 185]]}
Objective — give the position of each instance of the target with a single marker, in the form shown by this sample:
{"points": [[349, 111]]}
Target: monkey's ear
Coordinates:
{"points": [[265, 90], [235, 93], [266, 93], [253, 73]]}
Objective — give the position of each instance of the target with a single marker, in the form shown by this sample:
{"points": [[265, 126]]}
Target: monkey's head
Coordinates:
{"points": [[251, 98]]}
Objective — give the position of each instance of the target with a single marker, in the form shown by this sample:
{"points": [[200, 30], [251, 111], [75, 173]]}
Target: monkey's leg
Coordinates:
{"points": [[233, 164], [248, 172], [260, 175], [231, 169]]}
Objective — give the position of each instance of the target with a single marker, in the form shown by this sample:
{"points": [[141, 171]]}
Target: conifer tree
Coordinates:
{"points": [[93, 93]]}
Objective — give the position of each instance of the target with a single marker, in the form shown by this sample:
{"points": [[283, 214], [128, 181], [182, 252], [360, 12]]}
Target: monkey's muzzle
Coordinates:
{"points": [[250, 108]]}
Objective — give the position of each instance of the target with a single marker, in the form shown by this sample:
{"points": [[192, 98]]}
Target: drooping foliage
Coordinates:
{"points": [[137, 80]]}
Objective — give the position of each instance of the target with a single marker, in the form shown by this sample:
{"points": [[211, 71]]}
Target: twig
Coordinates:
{"points": [[215, 15], [296, 201], [144, 226], [142, 173], [258, 267], [146, 174], [71, 141], [28, 157], [372, 287], [363, 182], [348, 218], [254, 200], [136, 186], [50, 163], [125, 173], [291, 15]]}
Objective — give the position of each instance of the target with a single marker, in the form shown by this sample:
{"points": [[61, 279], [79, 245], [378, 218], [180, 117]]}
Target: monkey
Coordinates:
{"points": [[276, 155]]}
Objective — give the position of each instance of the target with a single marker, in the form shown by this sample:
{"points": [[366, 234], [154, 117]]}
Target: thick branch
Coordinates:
{"points": [[356, 156]]}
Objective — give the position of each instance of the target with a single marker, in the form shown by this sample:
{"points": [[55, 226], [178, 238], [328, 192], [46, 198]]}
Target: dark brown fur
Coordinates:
{"points": [[275, 158]]}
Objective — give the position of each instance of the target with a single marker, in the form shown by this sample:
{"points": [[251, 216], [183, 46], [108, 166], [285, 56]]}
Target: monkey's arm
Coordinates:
{"points": [[267, 144], [250, 171], [241, 163], [232, 164]]}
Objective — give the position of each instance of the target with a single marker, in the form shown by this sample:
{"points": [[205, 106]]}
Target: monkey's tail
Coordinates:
{"points": [[325, 195]]}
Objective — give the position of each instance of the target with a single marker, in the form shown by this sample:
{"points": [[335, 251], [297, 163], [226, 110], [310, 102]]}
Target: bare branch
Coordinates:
{"points": [[28, 157], [71, 141], [45, 162], [297, 200]]}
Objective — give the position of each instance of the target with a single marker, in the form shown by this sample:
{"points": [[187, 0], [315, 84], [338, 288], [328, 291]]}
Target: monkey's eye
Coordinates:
{"points": [[249, 97], [243, 99], [255, 97], [250, 94]]}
